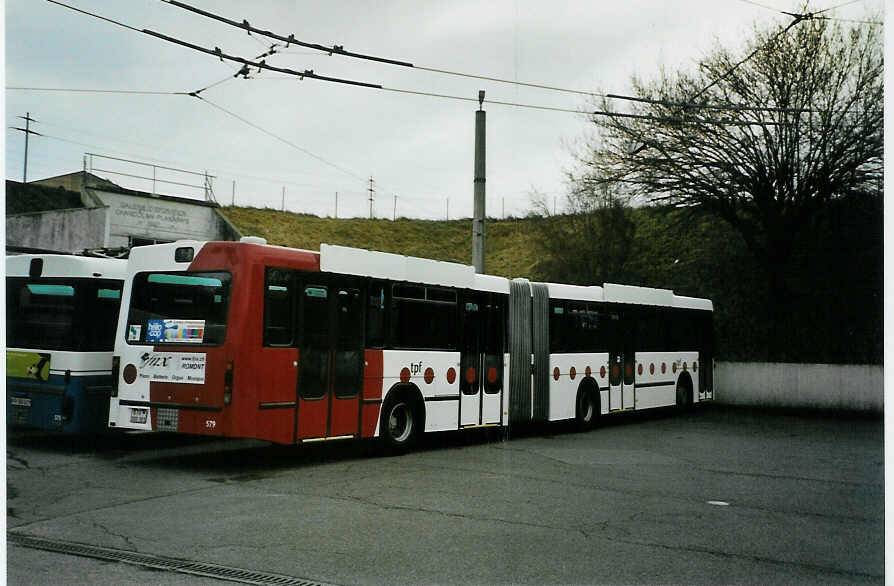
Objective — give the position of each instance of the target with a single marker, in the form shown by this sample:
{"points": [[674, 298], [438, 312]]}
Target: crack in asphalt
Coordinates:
{"points": [[369, 502], [11, 456], [114, 505], [97, 525], [749, 557]]}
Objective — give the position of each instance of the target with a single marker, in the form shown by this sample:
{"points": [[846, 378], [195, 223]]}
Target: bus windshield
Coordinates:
{"points": [[78, 315], [178, 308]]}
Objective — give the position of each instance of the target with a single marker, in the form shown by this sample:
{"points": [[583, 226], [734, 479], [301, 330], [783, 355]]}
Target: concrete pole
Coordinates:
{"points": [[478, 238]]}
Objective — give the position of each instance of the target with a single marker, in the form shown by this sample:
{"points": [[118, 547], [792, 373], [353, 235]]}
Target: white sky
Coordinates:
{"points": [[418, 148]]}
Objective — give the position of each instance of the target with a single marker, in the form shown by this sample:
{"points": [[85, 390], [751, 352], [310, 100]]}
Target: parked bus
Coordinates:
{"points": [[61, 318], [243, 339]]}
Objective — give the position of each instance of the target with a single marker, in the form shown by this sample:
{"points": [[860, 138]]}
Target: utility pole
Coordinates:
{"points": [[336, 205], [394, 213], [371, 191], [234, 192], [283, 198], [448, 208], [478, 219], [27, 130]]}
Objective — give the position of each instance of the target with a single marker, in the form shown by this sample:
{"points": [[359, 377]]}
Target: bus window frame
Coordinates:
{"points": [[199, 274], [82, 308]]}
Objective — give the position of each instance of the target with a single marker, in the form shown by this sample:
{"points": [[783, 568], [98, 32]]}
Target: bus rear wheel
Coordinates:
{"points": [[399, 425], [586, 409], [684, 395]]}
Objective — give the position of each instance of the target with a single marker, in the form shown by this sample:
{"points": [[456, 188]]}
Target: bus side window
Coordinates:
{"points": [[423, 317], [375, 315], [279, 307], [557, 340]]}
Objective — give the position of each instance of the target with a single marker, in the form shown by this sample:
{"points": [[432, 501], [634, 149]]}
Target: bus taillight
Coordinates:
{"points": [[116, 366], [228, 383]]}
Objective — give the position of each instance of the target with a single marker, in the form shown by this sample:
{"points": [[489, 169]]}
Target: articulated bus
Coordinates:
{"points": [[244, 339], [61, 318]]}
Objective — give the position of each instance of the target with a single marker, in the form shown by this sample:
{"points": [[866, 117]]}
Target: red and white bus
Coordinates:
{"points": [[244, 339]]}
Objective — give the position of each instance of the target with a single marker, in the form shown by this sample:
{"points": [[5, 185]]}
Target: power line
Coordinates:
{"points": [[234, 173], [96, 91], [217, 52], [797, 18], [339, 50], [279, 138], [262, 65], [290, 40], [816, 15]]}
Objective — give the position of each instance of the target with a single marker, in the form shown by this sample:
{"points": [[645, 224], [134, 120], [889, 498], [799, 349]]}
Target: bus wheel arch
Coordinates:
{"points": [[402, 419], [684, 391], [587, 404]]}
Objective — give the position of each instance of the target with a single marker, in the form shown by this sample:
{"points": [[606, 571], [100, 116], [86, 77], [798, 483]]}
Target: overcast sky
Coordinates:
{"points": [[317, 138]]}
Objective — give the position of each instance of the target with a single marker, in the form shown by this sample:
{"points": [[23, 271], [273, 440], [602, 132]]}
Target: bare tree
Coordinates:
{"points": [[762, 139], [591, 242]]}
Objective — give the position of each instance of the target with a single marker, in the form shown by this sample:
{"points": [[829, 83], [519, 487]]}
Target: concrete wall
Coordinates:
{"points": [[824, 386], [160, 219], [63, 230]]}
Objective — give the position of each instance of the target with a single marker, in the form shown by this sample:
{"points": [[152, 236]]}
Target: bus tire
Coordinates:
{"points": [[684, 393], [586, 408], [400, 423]]}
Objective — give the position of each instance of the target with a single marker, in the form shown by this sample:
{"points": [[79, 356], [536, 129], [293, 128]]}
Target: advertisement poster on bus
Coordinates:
{"points": [[173, 331], [173, 367], [34, 365]]}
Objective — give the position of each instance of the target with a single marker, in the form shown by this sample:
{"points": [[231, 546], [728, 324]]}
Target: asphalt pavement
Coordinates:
{"points": [[715, 495]]}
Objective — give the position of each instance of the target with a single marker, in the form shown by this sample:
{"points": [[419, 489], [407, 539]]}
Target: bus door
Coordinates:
{"points": [[492, 359], [481, 359], [473, 315], [330, 370], [629, 359], [615, 331]]}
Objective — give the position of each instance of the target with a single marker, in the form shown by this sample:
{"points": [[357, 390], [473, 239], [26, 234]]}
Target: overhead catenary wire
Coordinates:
{"points": [[818, 14], [262, 65], [339, 50], [279, 138], [96, 91], [235, 173]]}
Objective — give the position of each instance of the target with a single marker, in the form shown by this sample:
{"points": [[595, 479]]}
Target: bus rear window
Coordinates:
{"points": [[178, 308], [73, 314]]}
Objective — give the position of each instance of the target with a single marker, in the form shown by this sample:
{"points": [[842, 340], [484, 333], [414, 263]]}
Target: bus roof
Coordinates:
{"points": [[398, 267], [615, 293], [67, 265]]}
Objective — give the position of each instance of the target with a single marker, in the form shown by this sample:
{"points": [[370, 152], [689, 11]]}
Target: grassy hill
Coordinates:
{"points": [[831, 314], [511, 245]]}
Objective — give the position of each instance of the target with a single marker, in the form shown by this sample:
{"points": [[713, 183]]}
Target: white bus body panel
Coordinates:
{"points": [[441, 397], [563, 392], [67, 265], [156, 258]]}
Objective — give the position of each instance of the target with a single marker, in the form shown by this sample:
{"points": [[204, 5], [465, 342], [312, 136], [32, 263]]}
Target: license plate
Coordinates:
{"points": [[139, 416], [20, 401]]}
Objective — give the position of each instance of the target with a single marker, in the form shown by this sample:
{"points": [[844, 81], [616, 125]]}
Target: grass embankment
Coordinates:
{"points": [[511, 247]]}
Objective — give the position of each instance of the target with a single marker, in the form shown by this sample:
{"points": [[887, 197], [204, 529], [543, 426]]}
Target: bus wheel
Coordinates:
{"points": [[586, 409], [684, 394], [399, 426]]}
